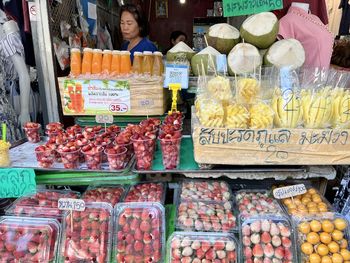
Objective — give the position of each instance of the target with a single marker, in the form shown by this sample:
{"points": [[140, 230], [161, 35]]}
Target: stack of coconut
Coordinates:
{"points": [[253, 46]]}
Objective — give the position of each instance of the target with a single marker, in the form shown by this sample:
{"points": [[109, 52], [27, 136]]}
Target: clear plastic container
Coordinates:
{"points": [[200, 190], [146, 192], [206, 216], [32, 131], [26, 239], [139, 232], [202, 247], [268, 238], [256, 202], [112, 194], [45, 156], [42, 204], [89, 239], [170, 146], [322, 237], [144, 151], [311, 202]]}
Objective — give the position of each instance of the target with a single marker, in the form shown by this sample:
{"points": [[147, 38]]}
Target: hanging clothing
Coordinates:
{"points": [[317, 7], [345, 20], [334, 15], [315, 37]]}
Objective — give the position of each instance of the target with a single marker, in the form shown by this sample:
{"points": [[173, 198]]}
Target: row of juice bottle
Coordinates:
{"points": [[96, 61]]}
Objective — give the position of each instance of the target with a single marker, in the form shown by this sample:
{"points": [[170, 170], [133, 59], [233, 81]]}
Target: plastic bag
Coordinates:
{"points": [[65, 29], [220, 89], [261, 116], [210, 113], [62, 53], [286, 101], [236, 116]]}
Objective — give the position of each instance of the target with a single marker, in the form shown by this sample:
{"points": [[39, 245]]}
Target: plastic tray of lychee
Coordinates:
{"points": [[322, 238], [268, 238], [22, 155], [309, 203]]}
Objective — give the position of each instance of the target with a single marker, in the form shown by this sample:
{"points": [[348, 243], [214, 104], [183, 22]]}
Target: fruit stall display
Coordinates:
{"points": [[109, 194]]}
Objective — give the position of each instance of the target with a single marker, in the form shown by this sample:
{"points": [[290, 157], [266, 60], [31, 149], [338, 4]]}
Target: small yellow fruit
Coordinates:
{"points": [[343, 243], [307, 248], [340, 224], [315, 258], [337, 258], [327, 226], [304, 228], [323, 209], [311, 204], [333, 247], [337, 235], [322, 250], [326, 259], [313, 238], [345, 254], [314, 210], [315, 226], [325, 238], [312, 191]]}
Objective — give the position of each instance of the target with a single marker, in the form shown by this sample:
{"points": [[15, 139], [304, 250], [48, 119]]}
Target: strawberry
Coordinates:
{"points": [[138, 246], [145, 226]]}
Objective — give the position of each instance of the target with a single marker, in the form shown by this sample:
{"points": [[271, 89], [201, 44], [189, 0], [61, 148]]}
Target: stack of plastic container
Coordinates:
{"points": [[207, 222]]}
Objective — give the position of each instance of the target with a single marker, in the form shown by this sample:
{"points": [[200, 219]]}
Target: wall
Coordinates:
{"points": [[180, 17]]}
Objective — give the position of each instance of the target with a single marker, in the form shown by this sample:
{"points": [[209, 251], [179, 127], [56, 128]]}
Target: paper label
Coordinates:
{"points": [[104, 118], [92, 14], [176, 74], [88, 97], [32, 11], [71, 204], [248, 7], [289, 191], [17, 182]]}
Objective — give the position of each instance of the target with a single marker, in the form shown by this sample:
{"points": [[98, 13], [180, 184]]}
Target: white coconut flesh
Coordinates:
{"points": [[181, 47], [260, 24], [287, 52], [224, 31], [244, 58], [208, 51]]}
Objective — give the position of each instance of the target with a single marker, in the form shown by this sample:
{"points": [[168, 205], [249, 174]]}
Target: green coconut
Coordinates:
{"points": [[223, 37], [243, 58], [285, 53], [260, 30], [179, 52], [203, 58]]}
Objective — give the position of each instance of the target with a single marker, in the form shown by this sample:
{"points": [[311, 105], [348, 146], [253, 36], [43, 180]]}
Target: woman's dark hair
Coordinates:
{"points": [[175, 34], [140, 18]]}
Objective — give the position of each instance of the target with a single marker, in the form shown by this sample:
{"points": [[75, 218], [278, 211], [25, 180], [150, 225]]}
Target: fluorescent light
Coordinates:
{"points": [[182, 1]]}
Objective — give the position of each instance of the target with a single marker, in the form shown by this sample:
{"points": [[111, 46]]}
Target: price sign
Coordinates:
{"points": [[176, 74], [118, 107], [16, 182], [71, 204], [248, 7], [104, 118], [289, 191]]}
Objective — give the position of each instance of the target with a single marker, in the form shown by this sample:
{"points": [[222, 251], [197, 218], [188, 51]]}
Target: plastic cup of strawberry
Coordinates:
{"points": [[59, 137], [170, 145], [93, 156], [80, 141], [198, 248], [53, 128], [72, 131], [139, 233], [206, 216], [28, 239], [54, 148], [90, 132], [45, 156], [32, 131], [116, 157], [110, 194], [144, 149], [176, 118], [153, 123], [267, 239], [145, 192], [42, 204], [90, 239], [205, 191], [130, 149], [113, 130], [105, 142], [70, 153]]}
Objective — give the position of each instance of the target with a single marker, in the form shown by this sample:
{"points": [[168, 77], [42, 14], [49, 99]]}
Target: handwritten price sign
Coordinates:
{"points": [[248, 7], [289, 191], [71, 204]]}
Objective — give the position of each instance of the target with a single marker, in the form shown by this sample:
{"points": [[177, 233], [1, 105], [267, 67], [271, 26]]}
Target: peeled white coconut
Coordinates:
{"points": [[178, 51], [203, 58], [260, 30], [223, 37], [243, 58], [286, 53]]}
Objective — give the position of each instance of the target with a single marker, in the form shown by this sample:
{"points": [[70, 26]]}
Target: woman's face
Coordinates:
{"points": [[129, 27], [179, 39]]}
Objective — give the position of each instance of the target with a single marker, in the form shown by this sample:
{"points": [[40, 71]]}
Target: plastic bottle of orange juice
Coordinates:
{"points": [[158, 67], [125, 62], [147, 64], [75, 62], [106, 61], [137, 64], [115, 66], [87, 61], [96, 67]]}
